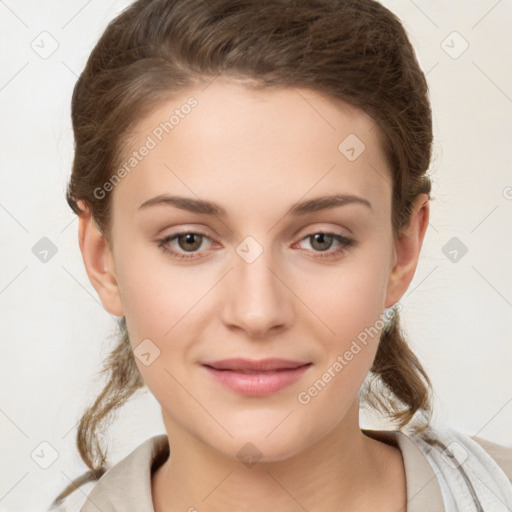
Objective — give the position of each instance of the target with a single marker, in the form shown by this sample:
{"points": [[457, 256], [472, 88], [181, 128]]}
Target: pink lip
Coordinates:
{"points": [[273, 374], [240, 363]]}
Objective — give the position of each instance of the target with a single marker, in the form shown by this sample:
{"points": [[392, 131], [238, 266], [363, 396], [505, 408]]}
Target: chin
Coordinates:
{"points": [[257, 446]]}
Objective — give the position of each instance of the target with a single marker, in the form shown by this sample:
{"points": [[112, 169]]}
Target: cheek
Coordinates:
{"points": [[349, 304], [155, 293], [162, 304], [350, 297], [160, 316], [351, 312]]}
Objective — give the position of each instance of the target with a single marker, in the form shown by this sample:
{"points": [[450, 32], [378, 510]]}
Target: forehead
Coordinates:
{"points": [[274, 145]]}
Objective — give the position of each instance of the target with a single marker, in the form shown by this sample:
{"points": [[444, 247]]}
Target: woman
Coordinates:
{"points": [[252, 190]]}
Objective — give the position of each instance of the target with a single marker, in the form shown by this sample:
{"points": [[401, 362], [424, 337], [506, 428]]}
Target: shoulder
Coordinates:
{"points": [[125, 481], [468, 475], [501, 454], [447, 444]]}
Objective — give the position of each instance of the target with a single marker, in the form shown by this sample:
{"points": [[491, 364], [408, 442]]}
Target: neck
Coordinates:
{"points": [[344, 470]]}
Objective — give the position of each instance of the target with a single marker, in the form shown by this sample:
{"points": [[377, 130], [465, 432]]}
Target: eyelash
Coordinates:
{"points": [[344, 241]]}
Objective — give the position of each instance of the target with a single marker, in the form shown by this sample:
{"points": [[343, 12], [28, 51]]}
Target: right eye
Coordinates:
{"points": [[191, 238]]}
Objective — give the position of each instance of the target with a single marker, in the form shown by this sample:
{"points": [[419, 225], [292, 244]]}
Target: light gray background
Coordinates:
{"points": [[55, 331]]}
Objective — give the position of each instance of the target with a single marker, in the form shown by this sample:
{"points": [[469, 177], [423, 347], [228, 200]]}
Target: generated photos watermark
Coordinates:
{"points": [[304, 397], [152, 140]]}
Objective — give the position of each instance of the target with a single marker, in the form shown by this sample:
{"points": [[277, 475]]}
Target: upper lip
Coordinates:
{"points": [[254, 364]]}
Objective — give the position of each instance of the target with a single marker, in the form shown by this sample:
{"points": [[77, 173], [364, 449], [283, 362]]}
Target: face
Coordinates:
{"points": [[255, 279]]}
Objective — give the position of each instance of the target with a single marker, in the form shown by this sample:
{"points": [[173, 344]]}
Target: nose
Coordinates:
{"points": [[257, 300]]}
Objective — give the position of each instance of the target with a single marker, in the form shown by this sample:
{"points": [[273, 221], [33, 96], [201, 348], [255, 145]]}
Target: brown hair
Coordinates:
{"points": [[355, 51]]}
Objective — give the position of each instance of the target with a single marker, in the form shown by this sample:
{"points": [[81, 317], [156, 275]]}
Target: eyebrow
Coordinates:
{"points": [[297, 209]]}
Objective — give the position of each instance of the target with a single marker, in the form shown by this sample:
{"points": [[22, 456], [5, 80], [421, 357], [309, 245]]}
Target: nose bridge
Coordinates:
{"points": [[257, 299]]}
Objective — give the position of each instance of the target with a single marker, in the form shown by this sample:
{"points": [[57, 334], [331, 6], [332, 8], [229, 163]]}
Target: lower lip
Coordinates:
{"points": [[258, 384]]}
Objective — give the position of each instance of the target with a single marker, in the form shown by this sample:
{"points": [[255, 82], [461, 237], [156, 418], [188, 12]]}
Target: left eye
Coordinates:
{"points": [[190, 241], [322, 239]]}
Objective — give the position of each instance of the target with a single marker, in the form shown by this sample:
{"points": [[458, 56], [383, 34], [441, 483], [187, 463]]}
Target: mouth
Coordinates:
{"points": [[256, 378], [243, 365], [253, 372]]}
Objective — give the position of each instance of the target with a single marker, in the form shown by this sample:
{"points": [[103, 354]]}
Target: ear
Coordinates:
{"points": [[98, 262], [407, 250]]}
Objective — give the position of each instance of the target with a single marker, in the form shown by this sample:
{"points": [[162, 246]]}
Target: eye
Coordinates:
{"points": [[322, 241], [189, 241]]}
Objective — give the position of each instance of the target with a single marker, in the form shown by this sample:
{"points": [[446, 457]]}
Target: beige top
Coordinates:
{"points": [[126, 486]]}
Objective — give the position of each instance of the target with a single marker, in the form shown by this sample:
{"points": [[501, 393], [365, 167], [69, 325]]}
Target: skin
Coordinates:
{"points": [[256, 153]]}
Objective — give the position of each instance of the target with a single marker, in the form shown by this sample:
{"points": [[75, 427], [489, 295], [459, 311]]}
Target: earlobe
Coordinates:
{"points": [[408, 250], [98, 261]]}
